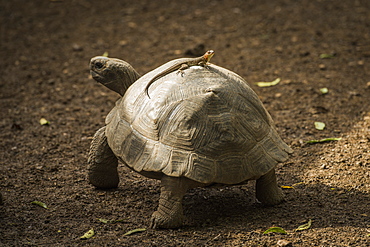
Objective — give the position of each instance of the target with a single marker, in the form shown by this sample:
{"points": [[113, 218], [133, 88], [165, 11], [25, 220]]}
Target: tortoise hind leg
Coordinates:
{"points": [[267, 190], [102, 170], [169, 213]]}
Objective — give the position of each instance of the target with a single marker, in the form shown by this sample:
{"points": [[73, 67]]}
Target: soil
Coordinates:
{"points": [[46, 47]]}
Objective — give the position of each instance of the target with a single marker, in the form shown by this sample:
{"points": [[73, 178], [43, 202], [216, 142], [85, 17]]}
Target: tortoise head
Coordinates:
{"points": [[113, 73]]}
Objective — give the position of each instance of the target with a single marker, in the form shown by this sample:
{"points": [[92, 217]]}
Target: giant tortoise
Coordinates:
{"points": [[203, 127]]}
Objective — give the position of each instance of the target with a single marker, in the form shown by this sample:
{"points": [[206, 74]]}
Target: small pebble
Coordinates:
{"points": [[294, 39], [132, 25], [279, 49], [284, 243], [123, 42], [278, 95], [77, 47], [322, 66]]}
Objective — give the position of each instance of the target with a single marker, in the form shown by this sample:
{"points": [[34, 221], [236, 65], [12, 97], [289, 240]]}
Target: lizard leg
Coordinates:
{"points": [[182, 68], [102, 170], [204, 64]]}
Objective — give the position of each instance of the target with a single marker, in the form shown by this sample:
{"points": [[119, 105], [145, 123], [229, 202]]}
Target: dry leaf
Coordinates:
{"points": [[134, 231], [276, 230], [286, 187], [43, 121], [324, 140], [105, 221], [90, 233], [319, 125], [41, 204], [324, 90], [268, 84], [304, 226]]}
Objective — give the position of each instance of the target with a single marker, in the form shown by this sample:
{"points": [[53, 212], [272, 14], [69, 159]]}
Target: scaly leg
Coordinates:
{"points": [[267, 190], [102, 170], [182, 68], [169, 213]]}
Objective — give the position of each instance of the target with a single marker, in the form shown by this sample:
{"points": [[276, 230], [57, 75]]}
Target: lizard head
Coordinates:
{"points": [[208, 55]]}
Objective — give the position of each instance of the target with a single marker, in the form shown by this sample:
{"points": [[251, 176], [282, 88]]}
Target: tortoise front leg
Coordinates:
{"points": [[169, 213], [267, 190], [102, 170]]}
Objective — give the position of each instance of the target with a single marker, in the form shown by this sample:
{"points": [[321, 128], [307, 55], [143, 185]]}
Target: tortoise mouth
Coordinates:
{"points": [[96, 76], [100, 78]]}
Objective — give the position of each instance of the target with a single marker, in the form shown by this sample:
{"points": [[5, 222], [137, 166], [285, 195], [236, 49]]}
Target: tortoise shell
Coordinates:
{"points": [[207, 125]]}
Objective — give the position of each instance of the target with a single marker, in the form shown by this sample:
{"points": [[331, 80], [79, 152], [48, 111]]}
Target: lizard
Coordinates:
{"points": [[181, 66]]}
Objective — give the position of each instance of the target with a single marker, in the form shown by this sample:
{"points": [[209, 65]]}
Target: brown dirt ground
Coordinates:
{"points": [[46, 47]]}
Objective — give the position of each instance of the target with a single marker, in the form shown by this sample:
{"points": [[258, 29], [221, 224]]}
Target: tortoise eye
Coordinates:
{"points": [[99, 65]]}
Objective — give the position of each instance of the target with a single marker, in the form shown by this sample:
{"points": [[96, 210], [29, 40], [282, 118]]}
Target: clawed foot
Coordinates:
{"points": [[181, 72], [271, 201], [159, 221]]}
